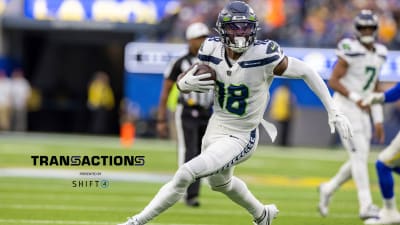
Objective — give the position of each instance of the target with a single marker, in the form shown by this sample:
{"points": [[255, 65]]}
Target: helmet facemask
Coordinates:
{"points": [[237, 25], [366, 19], [238, 36]]}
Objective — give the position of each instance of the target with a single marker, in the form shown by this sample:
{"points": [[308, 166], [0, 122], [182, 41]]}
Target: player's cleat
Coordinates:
{"points": [[324, 199], [372, 211], [386, 217], [131, 221], [270, 212]]}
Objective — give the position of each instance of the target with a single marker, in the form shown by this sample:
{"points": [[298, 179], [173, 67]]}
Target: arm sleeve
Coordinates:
{"points": [[298, 69], [393, 94]]}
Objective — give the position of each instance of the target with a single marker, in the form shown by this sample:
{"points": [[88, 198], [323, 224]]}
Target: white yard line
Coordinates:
{"points": [[74, 174], [275, 180], [30, 221], [87, 208], [197, 212]]}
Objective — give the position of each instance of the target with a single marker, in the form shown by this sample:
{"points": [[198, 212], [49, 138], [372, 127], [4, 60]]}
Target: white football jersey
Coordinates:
{"points": [[363, 66], [242, 87]]}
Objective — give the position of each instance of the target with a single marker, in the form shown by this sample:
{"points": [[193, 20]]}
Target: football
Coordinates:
{"points": [[203, 68]]}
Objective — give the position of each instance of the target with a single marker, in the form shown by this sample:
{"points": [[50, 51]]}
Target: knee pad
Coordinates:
{"points": [[222, 188], [183, 177]]}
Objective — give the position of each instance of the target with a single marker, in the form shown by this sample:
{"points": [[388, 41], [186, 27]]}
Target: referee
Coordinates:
{"points": [[193, 109]]}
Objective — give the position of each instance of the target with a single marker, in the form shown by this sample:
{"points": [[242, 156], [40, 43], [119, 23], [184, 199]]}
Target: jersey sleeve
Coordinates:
{"points": [[273, 55], [275, 52], [206, 50], [382, 52], [393, 94]]}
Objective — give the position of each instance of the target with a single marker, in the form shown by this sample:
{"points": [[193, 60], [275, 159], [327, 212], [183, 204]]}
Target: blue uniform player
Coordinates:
{"points": [[388, 162]]}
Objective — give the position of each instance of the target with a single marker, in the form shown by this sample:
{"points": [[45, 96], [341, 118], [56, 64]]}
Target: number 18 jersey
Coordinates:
{"points": [[242, 86]]}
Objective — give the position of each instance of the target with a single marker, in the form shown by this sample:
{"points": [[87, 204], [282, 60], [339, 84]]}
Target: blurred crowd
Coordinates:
{"points": [[302, 23]]}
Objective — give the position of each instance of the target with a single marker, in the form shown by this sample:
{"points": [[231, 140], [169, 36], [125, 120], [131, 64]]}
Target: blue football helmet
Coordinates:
{"points": [[366, 19], [237, 25]]}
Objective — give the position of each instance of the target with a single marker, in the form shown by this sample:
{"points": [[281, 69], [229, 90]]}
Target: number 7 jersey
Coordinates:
{"points": [[242, 87], [363, 66]]}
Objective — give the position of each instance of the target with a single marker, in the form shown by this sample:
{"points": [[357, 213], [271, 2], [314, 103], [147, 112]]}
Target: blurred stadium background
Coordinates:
{"points": [[61, 44]]}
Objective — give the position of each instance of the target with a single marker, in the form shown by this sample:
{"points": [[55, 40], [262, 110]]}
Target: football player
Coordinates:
{"points": [[388, 162], [245, 68], [354, 76]]}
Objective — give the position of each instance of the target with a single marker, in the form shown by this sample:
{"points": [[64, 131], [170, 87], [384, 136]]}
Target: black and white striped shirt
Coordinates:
{"points": [[192, 99]]}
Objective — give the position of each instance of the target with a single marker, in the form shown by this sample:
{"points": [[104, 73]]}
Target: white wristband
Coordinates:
{"points": [[353, 96], [377, 113]]}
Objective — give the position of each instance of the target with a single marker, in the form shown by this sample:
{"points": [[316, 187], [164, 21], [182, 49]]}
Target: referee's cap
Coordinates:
{"points": [[196, 30]]}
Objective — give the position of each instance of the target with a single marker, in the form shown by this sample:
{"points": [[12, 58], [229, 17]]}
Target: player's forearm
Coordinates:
{"points": [[161, 112], [338, 87], [393, 94], [162, 105], [162, 109], [298, 69]]}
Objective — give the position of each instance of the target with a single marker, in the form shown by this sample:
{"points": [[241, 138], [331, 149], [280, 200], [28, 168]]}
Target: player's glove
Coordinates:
{"points": [[375, 97], [355, 97], [339, 121], [190, 82]]}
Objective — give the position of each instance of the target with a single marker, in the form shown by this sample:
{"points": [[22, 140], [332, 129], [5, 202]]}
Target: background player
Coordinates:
{"points": [[245, 68], [193, 109], [388, 162], [354, 77]]}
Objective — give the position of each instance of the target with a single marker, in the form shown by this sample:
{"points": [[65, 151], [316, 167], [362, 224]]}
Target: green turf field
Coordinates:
{"points": [[44, 195]]}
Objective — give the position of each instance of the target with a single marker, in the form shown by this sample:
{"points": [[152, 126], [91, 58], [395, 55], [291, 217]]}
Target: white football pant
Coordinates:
{"points": [[221, 152], [356, 167]]}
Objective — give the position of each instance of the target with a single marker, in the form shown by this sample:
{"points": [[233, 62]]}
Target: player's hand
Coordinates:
{"points": [[375, 97], [339, 121], [190, 82], [162, 129], [379, 133], [363, 107], [357, 99]]}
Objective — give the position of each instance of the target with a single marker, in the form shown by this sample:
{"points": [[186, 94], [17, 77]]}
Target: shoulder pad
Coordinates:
{"points": [[267, 47], [209, 45], [347, 45], [381, 49], [273, 47]]}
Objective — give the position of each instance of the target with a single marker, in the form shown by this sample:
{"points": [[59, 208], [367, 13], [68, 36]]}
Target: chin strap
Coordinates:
{"points": [[239, 45]]}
